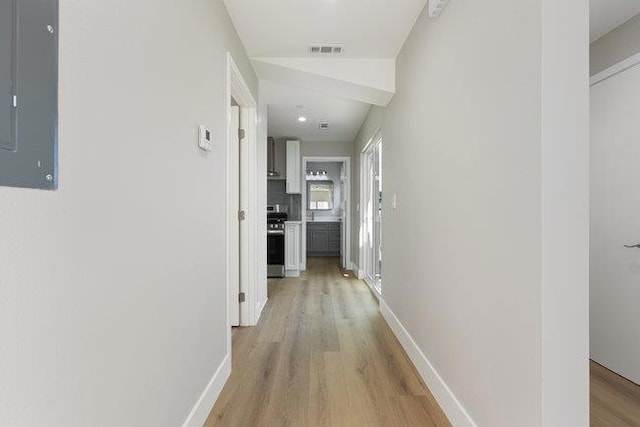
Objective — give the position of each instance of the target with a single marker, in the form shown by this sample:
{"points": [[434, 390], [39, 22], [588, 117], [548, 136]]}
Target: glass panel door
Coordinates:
{"points": [[377, 225], [372, 215]]}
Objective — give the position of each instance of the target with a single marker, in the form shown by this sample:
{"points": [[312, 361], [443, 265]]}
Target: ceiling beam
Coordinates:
{"points": [[366, 80]]}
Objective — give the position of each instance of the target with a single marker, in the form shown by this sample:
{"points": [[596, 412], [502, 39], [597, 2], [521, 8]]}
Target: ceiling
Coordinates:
{"points": [[285, 28], [345, 116], [609, 14], [276, 32], [368, 29]]}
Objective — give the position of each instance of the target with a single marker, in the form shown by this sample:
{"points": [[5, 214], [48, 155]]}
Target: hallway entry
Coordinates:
{"points": [[614, 246], [322, 355], [326, 206]]}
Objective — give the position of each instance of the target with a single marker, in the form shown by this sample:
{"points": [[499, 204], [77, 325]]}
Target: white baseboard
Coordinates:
{"points": [[353, 267], [448, 402], [361, 274], [208, 398]]}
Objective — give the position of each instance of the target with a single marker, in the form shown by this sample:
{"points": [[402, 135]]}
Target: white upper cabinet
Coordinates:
{"points": [[294, 167]]}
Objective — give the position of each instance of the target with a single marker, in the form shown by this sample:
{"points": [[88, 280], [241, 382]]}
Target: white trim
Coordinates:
{"points": [[261, 220], [362, 262], [353, 267], [374, 290], [449, 403], [374, 141], [377, 136], [260, 309], [615, 69], [347, 226], [239, 90], [207, 400]]}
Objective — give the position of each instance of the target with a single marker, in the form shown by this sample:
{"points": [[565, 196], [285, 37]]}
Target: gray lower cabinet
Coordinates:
{"points": [[324, 238]]}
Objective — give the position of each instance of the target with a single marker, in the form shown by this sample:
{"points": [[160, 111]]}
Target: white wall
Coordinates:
{"points": [[565, 213], [324, 149], [485, 145], [113, 297]]}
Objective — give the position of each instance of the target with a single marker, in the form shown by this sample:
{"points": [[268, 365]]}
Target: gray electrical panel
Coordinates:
{"points": [[28, 93]]}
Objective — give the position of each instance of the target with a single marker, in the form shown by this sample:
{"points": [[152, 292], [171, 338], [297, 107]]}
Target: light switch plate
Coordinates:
{"points": [[436, 7], [205, 138]]}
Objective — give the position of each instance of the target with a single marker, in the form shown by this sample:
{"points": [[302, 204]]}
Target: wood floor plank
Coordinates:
{"points": [[615, 401], [322, 355]]}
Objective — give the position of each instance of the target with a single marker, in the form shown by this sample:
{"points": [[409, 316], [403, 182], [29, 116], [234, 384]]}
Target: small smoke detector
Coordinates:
{"points": [[436, 7], [324, 125], [326, 49]]}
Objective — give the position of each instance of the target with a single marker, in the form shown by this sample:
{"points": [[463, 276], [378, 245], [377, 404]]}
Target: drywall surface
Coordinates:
{"points": [[468, 252], [112, 310], [616, 46], [565, 213], [324, 149], [461, 151]]}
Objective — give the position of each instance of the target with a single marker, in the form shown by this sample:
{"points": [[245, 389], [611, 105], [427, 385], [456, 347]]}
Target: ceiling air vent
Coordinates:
{"points": [[326, 49], [324, 125]]}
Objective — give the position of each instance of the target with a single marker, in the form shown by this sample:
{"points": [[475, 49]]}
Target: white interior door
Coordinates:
{"points": [[377, 224], [369, 209], [615, 222], [372, 189], [234, 207], [343, 217]]}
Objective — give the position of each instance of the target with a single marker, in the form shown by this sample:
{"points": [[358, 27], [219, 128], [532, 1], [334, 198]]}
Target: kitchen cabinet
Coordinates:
{"points": [[324, 238], [292, 234], [294, 168]]}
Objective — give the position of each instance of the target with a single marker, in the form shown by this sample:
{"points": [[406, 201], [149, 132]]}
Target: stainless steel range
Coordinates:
{"points": [[276, 217]]}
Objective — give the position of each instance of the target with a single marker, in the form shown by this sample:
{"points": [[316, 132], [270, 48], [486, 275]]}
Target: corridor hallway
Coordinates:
{"points": [[322, 355]]}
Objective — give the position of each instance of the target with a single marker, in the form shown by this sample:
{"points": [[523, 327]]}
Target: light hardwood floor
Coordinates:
{"points": [[615, 401], [322, 355]]}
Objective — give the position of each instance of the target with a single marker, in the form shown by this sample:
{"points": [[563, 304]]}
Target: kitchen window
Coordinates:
{"points": [[320, 196]]}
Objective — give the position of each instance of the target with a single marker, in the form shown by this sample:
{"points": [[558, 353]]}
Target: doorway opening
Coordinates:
{"points": [[326, 202], [371, 214], [241, 202], [615, 244], [235, 245]]}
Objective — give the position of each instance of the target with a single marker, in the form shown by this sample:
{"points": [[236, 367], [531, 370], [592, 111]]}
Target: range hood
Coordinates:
{"points": [[271, 158]]}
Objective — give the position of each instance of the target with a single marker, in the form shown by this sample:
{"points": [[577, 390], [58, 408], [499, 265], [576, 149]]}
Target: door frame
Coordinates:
{"points": [[237, 88], [376, 139], [346, 261]]}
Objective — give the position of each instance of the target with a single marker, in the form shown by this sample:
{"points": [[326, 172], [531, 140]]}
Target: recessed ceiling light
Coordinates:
{"points": [[302, 119]]}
